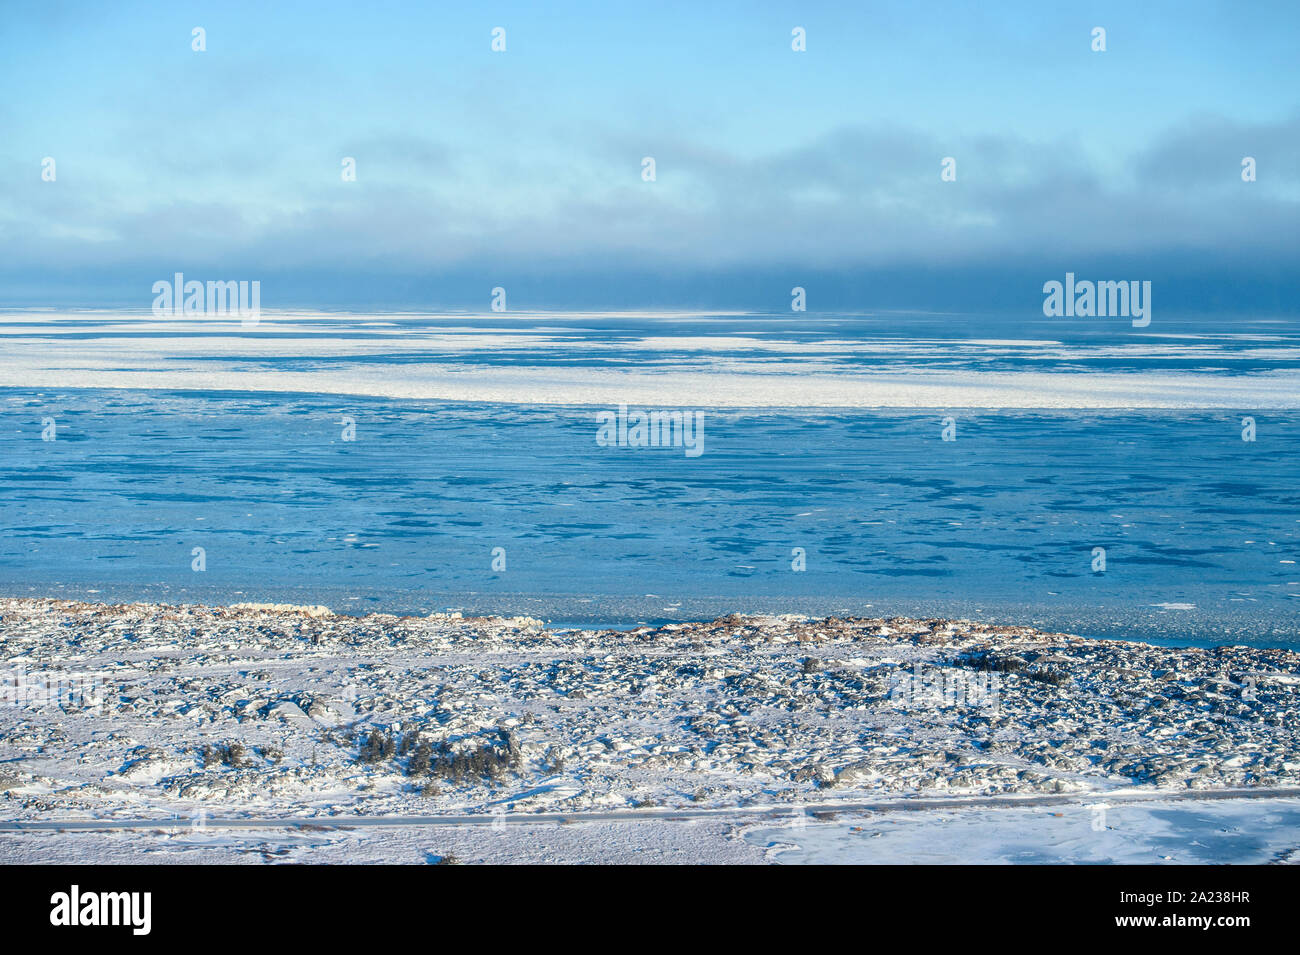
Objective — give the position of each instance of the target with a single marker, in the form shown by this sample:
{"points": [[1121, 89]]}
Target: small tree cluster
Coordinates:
{"points": [[556, 760], [378, 747], [484, 761], [234, 755], [986, 662], [480, 763], [421, 763]]}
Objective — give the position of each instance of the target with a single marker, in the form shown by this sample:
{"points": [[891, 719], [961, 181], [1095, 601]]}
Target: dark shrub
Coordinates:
{"points": [[377, 747], [1050, 677], [234, 755], [421, 763], [483, 761]]}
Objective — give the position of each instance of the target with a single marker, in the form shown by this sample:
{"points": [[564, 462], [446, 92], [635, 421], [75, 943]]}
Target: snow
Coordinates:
{"points": [[1197, 832], [692, 737], [546, 359]]}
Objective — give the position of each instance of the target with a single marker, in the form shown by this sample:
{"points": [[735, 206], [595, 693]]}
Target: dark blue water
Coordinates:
{"points": [[1000, 523]]}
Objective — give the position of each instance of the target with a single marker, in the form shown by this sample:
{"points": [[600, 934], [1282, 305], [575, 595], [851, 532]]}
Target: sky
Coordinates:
{"points": [[774, 168]]}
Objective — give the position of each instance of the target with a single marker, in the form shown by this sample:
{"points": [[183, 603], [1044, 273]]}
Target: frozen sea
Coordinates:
{"points": [[823, 434], [1201, 832]]}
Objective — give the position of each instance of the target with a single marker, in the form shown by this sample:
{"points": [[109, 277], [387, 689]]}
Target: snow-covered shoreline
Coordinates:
{"points": [[276, 712]]}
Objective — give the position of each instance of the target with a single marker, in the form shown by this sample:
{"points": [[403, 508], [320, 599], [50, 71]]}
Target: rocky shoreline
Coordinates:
{"points": [[270, 709]]}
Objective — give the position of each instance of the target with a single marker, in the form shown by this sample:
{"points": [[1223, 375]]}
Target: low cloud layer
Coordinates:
{"points": [[860, 196]]}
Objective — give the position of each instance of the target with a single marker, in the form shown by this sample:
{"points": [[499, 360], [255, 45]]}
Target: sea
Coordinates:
{"points": [[1080, 476]]}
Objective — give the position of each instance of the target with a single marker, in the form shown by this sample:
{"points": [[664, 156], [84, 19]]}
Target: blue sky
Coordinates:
{"points": [[523, 168]]}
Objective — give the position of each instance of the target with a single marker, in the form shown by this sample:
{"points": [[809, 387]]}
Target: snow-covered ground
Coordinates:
{"points": [[1199, 831], [649, 842], [146, 713], [1092, 832]]}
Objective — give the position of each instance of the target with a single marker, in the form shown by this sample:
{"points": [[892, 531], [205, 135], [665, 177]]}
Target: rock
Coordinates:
{"points": [[855, 773], [290, 712], [331, 712]]}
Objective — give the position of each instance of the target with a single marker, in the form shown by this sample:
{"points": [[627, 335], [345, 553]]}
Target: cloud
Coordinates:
{"points": [[856, 197], [1205, 152]]}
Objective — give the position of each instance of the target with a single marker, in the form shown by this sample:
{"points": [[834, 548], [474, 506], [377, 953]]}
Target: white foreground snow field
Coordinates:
{"points": [[747, 739]]}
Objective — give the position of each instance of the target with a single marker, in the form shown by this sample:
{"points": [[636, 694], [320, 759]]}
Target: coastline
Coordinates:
{"points": [[266, 712]]}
